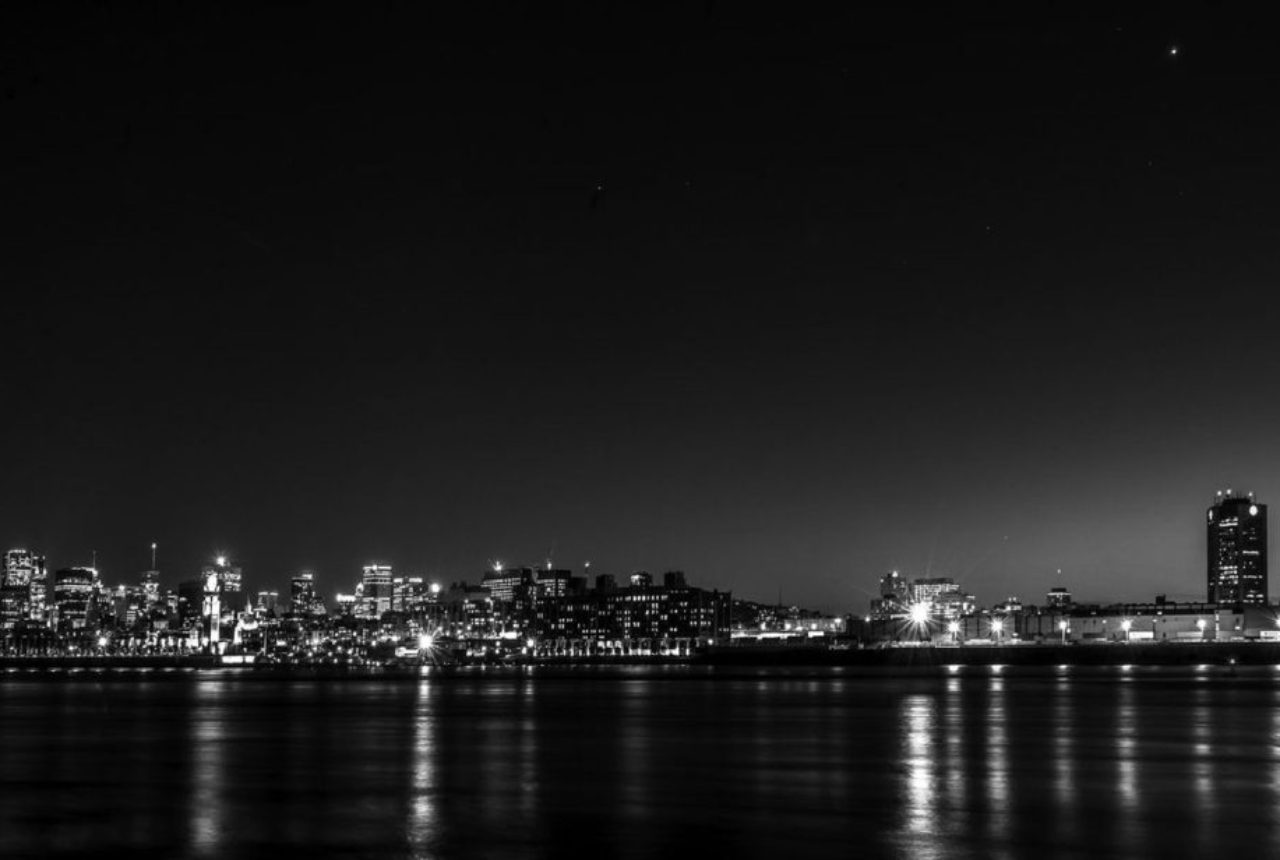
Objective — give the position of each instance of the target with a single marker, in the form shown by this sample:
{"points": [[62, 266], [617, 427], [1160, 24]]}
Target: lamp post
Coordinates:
{"points": [[1126, 625], [1062, 627], [953, 628], [1200, 624], [997, 628]]}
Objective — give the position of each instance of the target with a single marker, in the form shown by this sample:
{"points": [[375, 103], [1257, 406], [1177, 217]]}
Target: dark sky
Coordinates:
{"points": [[784, 299]]}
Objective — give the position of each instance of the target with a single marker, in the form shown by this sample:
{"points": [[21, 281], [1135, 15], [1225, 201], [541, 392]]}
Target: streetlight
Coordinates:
{"points": [[953, 627], [997, 627], [1126, 625], [1200, 623], [1062, 626]]}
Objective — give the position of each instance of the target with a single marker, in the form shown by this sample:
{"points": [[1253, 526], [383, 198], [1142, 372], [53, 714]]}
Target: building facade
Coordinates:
{"points": [[1237, 544]]}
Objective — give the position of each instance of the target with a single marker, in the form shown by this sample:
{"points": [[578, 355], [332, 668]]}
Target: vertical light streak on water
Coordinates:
{"points": [[1126, 757], [1275, 769], [1202, 766], [209, 730], [953, 730], [634, 750], [1063, 732], [528, 750], [998, 768], [422, 813], [917, 723], [919, 834]]}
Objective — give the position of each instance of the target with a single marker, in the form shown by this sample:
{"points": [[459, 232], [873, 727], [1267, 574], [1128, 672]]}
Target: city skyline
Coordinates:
{"points": [[1241, 503]]}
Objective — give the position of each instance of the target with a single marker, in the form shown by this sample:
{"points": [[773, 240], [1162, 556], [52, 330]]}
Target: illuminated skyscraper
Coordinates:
{"points": [[73, 591], [1237, 541], [24, 586], [150, 582], [302, 595], [377, 590], [211, 611]]}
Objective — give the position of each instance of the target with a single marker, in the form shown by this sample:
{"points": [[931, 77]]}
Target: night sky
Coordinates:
{"points": [[784, 300]]}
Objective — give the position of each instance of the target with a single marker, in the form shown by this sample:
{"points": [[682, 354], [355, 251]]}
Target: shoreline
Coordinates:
{"points": [[1226, 654]]}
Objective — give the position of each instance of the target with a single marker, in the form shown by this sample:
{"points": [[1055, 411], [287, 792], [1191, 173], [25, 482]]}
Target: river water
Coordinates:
{"points": [[657, 761]]}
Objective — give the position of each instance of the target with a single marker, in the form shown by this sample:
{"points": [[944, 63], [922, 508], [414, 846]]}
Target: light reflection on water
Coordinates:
{"points": [[1061, 731], [420, 829], [973, 763], [208, 748]]}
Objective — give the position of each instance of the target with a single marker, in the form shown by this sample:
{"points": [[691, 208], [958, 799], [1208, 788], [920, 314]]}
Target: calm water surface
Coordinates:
{"points": [[647, 762]]}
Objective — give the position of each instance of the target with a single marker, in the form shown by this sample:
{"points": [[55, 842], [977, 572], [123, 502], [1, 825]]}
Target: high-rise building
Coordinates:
{"points": [[230, 579], [24, 587], [1237, 543], [893, 599], [73, 591], [302, 595], [211, 610], [266, 603], [409, 594], [150, 583], [378, 591], [127, 605]]}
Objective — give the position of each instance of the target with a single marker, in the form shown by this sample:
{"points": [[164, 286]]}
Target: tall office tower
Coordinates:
{"points": [[150, 583], [409, 594], [73, 591], [211, 610], [377, 590], [302, 595], [894, 599], [1237, 531], [24, 588], [229, 580], [39, 611], [128, 604]]}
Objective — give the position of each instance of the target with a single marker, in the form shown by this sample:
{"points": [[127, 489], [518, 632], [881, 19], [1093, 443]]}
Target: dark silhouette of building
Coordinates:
{"points": [[1237, 531]]}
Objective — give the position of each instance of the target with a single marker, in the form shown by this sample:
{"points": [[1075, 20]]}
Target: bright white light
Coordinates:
{"points": [[997, 624], [1253, 510], [1200, 623], [920, 613], [425, 641], [1126, 625], [953, 627], [435, 588], [497, 567], [1062, 625], [103, 641], [1173, 51], [531, 644], [221, 560]]}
